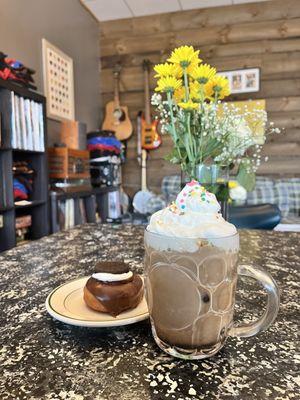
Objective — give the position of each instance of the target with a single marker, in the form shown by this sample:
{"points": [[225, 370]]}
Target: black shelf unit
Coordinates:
{"points": [[38, 208]]}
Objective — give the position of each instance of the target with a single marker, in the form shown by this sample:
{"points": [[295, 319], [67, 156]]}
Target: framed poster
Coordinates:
{"points": [[58, 82], [243, 80]]}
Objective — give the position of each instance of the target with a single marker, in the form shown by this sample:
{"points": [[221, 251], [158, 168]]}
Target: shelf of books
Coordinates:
{"points": [[23, 166], [83, 206]]}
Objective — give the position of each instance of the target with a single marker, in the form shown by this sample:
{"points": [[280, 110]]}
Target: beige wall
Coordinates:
{"points": [[66, 24], [265, 35]]}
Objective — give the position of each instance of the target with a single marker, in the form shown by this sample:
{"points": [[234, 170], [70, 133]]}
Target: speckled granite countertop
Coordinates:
{"points": [[41, 358]]}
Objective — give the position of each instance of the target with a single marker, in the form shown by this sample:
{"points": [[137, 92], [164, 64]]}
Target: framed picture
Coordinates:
{"points": [[243, 80], [58, 82]]}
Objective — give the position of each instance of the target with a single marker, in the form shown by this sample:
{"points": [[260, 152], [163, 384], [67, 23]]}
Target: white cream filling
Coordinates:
{"points": [[107, 277]]}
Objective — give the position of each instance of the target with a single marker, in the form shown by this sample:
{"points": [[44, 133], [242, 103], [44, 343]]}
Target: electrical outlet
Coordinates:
{"points": [[1, 221]]}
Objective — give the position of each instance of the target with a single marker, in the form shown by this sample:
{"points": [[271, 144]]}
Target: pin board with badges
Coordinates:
{"points": [[58, 82]]}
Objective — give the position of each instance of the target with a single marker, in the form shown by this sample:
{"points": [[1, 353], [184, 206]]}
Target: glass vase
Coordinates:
{"points": [[214, 178]]}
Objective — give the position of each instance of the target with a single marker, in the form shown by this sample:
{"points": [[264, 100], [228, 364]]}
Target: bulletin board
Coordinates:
{"points": [[58, 82]]}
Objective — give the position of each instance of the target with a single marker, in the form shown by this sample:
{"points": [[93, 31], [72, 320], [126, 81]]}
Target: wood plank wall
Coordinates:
{"points": [[265, 35]]}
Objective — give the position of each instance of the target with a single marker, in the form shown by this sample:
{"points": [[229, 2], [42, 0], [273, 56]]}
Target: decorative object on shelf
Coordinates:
{"points": [[24, 221], [23, 176], [13, 70], [116, 116], [73, 134], [22, 226], [150, 138], [67, 163], [243, 80], [204, 130], [105, 158], [105, 171], [58, 82], [103, 143]]}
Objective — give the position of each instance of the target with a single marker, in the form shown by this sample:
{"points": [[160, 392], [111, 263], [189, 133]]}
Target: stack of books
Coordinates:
{"points": [[66, 214], [27, 121]]}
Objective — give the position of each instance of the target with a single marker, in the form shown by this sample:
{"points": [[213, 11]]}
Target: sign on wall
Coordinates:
{"points": [[58, 82], [243, 80]]}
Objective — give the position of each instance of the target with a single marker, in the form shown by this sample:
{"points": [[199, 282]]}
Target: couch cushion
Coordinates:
{"points": [[288, 191], [170, 187], [264, 192], [155, 203]]}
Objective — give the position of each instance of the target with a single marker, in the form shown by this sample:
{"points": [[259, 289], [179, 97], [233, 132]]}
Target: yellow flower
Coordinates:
{"points": [[189, 105], [195, 91], [184, 56], [217, 87], [232, 184], [203, 73], [168, 84], [167, 69], [179, 94]]}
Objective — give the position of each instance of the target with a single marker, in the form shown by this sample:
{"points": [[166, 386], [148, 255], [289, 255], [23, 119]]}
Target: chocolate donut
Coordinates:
{"points": [[113, 288]]}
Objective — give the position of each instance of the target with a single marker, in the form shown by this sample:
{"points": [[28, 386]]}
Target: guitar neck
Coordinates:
{"points": [[147, 97], [116, 91], [139, 138], [144, 170]]}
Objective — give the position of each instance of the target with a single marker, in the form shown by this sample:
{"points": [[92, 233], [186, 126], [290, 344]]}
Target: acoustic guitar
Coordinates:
{"points": [[116, 116], [150, 137]]}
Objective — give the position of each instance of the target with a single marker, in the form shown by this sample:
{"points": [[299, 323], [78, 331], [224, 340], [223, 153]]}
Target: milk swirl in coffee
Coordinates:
{"points": [[191, 254]]}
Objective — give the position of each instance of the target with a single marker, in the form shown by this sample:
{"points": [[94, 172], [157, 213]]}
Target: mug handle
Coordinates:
{"points": [[253, 328]]}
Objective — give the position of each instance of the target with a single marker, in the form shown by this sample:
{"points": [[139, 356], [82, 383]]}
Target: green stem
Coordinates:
{"points": [[202, 111], [175, 137], [191, 142], [186, 85], [202, 94], [216, 97]]}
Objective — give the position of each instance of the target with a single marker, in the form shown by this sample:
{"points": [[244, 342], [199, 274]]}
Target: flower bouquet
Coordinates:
{"points": [[206, 131]]}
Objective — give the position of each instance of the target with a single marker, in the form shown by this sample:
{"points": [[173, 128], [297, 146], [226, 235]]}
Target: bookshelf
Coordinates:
{"points": [[86, 204], [32, 152]]}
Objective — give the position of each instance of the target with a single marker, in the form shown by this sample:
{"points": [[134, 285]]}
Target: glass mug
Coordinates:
{"points": [[190, 291]]}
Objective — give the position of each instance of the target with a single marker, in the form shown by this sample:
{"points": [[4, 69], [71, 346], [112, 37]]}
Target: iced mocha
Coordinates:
{"points": [[190, 267]]}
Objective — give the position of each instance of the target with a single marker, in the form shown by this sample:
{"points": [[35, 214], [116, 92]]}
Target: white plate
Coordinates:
{"points": [[66, 304]]}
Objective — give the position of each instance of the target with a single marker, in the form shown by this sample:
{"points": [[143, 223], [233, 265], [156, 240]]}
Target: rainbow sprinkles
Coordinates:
{"points": [[192, 189]]}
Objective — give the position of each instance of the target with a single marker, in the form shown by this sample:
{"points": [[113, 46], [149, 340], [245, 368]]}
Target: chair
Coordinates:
{"points": [[261, 216]]}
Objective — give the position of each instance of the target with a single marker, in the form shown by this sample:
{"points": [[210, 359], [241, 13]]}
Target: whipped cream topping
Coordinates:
{"points": [[106, 277], [194, 214]]}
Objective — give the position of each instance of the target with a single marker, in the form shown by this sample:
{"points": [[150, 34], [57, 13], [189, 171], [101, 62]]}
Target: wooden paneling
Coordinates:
{"points": [[200, 37], [265, 35], [194, 19]]}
